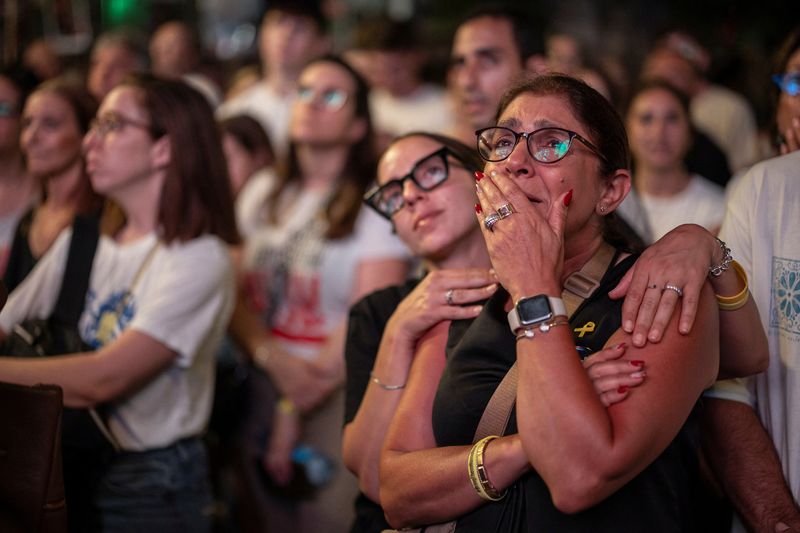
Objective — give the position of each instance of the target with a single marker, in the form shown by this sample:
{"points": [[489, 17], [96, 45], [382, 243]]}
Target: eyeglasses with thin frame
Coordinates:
{"points": [[546, 145], [111, 122], [427, 174], [789, 83], [330, 99]]}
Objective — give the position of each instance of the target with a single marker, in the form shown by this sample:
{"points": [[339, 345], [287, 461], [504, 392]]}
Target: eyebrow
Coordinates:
{"points": [[512, 123]]}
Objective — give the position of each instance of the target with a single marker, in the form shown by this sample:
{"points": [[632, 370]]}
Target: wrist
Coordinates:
{"points": [[721, 259]]}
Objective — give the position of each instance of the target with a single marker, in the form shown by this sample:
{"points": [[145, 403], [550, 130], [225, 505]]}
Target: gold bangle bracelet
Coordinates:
{"points": [[732, 303], [478, 475]]}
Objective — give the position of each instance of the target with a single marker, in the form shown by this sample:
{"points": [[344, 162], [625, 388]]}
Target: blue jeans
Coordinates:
{"points": [[165, 490]]}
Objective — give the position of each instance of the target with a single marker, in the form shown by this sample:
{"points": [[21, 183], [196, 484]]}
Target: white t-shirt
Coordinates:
{"points": [[701, 202], [302, 283], [761, 228], [271, 109], [427, 109], [183, 299]]}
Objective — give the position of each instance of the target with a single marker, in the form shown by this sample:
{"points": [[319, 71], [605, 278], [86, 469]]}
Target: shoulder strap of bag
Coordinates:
{"points": [[75, 283], [577, 288]]}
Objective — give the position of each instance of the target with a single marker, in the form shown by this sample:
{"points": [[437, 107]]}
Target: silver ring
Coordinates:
{"points": [[505, 210], [669, 287], [448, 297], [490, 220]]}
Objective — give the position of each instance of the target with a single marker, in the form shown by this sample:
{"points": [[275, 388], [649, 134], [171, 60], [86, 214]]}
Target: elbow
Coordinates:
{"points": [[393, 511], [576, 493]]}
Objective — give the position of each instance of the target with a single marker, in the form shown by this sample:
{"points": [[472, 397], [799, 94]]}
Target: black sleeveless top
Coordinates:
{"points": [[479, 353]]}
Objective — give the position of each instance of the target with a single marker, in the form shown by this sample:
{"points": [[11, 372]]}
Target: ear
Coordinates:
{"points": [[536, 64], [357, 130], [161, 152], [615, 189]]}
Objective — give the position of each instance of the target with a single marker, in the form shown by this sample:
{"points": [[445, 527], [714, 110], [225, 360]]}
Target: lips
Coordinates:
{"points": [[423, 219]]}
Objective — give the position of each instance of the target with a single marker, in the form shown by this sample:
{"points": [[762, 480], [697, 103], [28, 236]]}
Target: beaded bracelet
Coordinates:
{"points": [[477, 472], [732, 303], [383, 385], [723, 265]]}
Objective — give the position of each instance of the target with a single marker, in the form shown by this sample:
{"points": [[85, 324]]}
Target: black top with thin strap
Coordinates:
{"points": [[479, 353]]}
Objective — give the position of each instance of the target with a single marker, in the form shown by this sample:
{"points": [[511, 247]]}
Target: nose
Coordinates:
{"points": [[519, 162], [467, 74], [89, 140], [411, 193]]}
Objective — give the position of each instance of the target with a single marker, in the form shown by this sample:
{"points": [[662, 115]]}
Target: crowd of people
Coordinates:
{"points": [[334, 296]]}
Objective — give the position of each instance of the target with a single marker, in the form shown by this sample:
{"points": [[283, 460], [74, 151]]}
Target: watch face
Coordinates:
{"points": [[534, 309]]}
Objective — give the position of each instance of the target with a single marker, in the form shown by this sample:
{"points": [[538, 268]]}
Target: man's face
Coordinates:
{"points": [[484, 60]]}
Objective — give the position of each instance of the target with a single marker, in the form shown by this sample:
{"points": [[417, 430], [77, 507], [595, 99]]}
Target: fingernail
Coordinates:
{"points": [[478, 209], [796, 122], [639, 374], [622, 389], [621, 345], [628, 326], [568, 198], [637, 362], [639, 339], [478, 175]]}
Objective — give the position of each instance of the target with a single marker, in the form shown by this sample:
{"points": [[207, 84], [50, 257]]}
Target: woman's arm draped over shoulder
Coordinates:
{"points": [[585, 452]]}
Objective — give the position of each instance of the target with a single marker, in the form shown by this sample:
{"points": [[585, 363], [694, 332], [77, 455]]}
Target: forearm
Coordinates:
{"points": [[431, 486], [743, 343], [744, 460], [364, 436]]}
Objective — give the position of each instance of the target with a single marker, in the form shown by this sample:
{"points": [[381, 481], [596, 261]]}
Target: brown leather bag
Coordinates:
{"points": [[31, 479]]}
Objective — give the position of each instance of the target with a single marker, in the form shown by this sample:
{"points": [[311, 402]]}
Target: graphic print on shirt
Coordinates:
{"points": [[102, 322], [785, 312], [283, 285]]}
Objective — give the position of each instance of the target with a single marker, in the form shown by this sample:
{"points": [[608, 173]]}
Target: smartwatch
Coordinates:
{"points": [[534, 310]]}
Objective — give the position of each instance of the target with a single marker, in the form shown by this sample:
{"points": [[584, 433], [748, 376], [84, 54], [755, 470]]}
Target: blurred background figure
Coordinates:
{"points": [[317, 251], [18, 188], [41, 59], [393, 56], [55, 118], [786, 95], [659, 133], [114, 55], [721, 113], [175, 52], [565, 55], [291, 34], [491, 47]]}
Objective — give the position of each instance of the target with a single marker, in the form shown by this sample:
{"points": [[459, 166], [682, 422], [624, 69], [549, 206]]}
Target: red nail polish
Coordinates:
{"points": [[478, 209], [637, 362], [568, 198], [621, 345], [622, 389], [478, 175]]}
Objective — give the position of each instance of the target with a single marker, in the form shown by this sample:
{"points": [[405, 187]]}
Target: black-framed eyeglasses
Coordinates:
{"points": [[110, 122], [789, 83], [546, 145], [427, 174]]}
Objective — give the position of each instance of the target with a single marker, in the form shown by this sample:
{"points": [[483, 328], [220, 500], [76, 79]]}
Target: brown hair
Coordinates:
{"points": [[359, 169], [196, 197], [83, 107], [250, 135], [465, 154]]}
